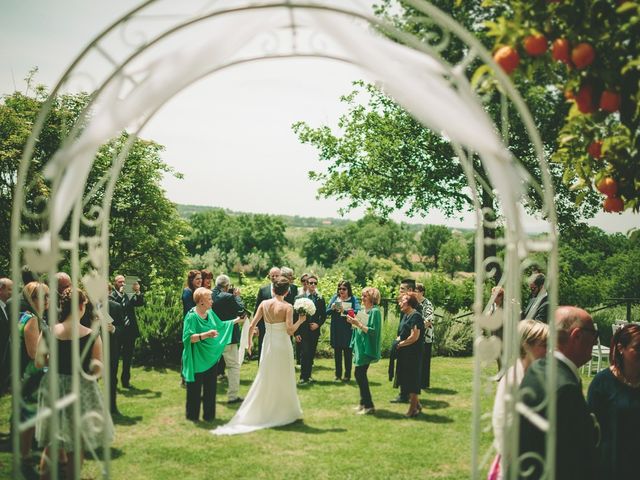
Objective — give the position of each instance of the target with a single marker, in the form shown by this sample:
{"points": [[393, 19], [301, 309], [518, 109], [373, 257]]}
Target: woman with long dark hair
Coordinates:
{"points": [[614, 398], [194, 280]]}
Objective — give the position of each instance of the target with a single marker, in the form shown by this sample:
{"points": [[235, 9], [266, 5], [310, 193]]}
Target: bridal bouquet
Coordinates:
{"points": [[304, 306]]}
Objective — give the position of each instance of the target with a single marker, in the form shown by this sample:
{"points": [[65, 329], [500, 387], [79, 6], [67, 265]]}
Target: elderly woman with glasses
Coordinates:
{"points": [[340, 330], [614, 398]]}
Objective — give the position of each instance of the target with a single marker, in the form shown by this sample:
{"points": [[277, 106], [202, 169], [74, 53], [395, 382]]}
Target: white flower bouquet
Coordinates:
{"points": [[304, 306]]}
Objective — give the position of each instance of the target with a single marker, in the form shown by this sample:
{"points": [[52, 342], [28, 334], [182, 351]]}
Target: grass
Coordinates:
{"points": [[154, 441]]}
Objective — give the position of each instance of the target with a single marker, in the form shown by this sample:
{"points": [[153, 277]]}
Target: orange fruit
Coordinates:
{"points": [[613, 204], [595, 149], [584, 99], [608, 186], [583, 55], [610, 101], [535, 45], [560, 51], [507, 57]]}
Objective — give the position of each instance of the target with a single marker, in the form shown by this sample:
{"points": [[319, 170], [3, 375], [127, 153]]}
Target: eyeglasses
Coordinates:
{"points": [[312, 283], [342, 288]]}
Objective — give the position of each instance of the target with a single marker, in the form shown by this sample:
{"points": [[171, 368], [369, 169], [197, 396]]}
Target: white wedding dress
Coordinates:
{"points": [[272, 399]]}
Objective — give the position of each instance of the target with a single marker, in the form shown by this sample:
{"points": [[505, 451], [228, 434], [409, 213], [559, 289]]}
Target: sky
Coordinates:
{"points": [[229, 134]]}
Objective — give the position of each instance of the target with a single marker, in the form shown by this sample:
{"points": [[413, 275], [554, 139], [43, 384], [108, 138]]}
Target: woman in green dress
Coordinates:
{"points": [[204, 337], [365, 342]]}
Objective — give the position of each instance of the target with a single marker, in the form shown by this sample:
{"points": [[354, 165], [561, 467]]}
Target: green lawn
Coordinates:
{"points": [[154, 441]]}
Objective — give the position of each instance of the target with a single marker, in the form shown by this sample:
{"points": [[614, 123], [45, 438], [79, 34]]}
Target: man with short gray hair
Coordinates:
{"points": [[228, 305], [538, 306], [575, 429]]}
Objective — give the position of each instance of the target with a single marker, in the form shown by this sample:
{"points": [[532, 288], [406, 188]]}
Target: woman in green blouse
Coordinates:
{"points": [[365, 342], [204, 337]]}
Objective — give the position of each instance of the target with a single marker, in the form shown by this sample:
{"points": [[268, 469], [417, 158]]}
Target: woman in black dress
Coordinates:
{"points": [[614, 398], [409, 351]]}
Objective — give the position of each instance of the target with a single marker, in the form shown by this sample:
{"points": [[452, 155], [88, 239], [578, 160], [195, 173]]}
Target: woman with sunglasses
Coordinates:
{"points": [[614, 398], [340, 330]]}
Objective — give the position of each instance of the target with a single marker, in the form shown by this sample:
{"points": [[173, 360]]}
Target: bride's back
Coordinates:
{"points": [[275, 311]]}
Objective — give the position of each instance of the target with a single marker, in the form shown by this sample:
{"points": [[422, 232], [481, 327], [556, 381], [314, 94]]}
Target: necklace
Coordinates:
{"points": [[620, 376]]}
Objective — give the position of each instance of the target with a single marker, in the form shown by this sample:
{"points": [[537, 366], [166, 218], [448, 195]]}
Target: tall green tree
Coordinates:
{"points": [[454, 255], [145, 229], [384, 159], [431, 240]]}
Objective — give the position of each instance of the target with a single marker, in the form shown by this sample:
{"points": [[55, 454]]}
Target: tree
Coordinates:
{"points": [[431, 240], [242, 234], [145, 229], [384, 159], [454, 255], [324, 246], [587, 51]]}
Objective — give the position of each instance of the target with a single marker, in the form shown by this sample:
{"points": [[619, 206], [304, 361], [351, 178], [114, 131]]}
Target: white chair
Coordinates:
{"points": [[598, 353]]}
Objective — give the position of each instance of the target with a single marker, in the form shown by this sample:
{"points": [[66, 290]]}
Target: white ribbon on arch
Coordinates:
{"points": [[415, 80]]}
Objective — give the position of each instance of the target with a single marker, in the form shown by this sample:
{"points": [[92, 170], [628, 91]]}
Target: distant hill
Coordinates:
{"points": [[186, 211]]}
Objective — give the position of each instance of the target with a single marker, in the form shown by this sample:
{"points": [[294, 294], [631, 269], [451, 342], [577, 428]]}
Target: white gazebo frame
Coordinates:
{"points": [[140, 33]]}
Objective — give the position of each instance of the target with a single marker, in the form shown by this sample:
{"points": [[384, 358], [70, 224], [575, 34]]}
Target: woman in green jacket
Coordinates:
{"points": [[204, 337], [365, 342]]}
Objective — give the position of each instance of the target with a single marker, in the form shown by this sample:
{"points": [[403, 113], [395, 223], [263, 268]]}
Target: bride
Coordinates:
{"points": [[272, 399]]}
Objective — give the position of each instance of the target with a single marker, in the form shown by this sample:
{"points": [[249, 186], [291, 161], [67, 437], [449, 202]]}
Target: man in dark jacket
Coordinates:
{"points": [[130, 331], [575, 427], [309, 331], [228, 306]]}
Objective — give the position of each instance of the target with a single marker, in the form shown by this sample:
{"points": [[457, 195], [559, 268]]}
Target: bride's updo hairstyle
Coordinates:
{"points": [[281, 287], [65, 302]]}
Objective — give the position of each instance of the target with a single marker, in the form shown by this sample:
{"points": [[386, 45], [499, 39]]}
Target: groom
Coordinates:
{"points": [[309, 331], [265, 293]]}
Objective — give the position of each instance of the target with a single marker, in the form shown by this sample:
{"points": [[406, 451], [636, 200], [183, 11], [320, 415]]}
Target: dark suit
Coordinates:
{"points": [[309, 342], [5, 349], [575, 431], [263, 294], [116, 312], [130, 331], [541, 312]]}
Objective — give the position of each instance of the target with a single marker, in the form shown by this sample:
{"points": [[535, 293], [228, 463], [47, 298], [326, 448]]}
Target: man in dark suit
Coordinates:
{"points": [[130, 331], [265, 293], [575, 428], [116, 312], [309, 331], [538, 306], [6, 290], [228, 306]]}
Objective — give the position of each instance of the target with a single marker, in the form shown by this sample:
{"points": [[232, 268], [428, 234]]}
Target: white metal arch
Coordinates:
{"points": [[164, 21]]}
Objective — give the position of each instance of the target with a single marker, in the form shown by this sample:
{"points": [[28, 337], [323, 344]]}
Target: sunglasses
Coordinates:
{"points": [[343, 288], [312, 283]]}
